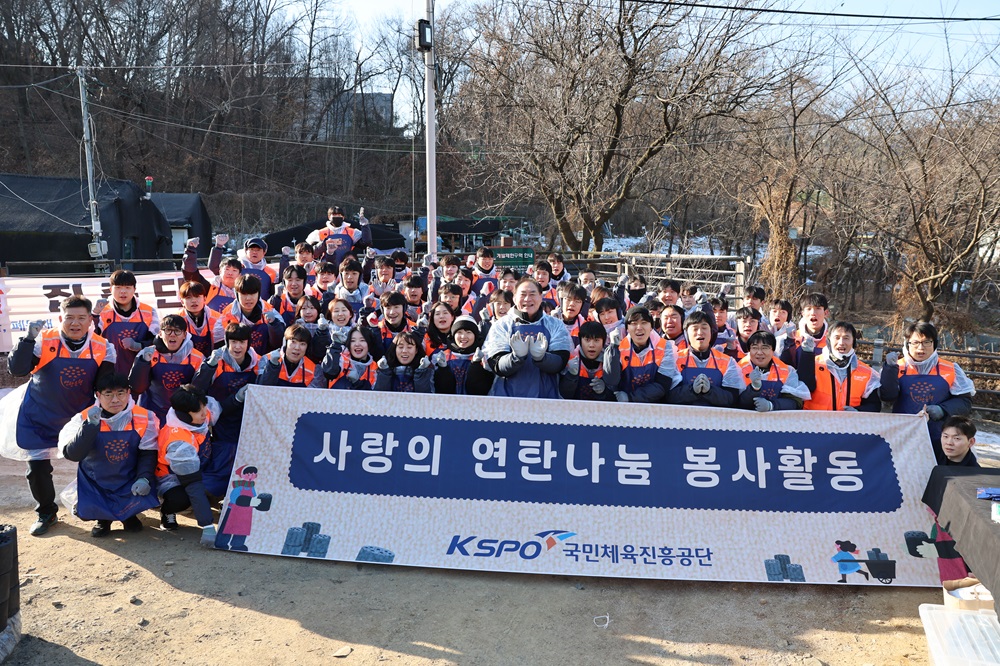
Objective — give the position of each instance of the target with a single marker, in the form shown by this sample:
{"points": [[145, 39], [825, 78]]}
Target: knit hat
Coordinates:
{"points": [[466, 323], [638, 312]]}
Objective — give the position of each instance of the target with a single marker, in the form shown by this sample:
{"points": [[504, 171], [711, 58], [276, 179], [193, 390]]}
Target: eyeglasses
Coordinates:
{"points": [[173, 331], [761, 348], [921, 343]]}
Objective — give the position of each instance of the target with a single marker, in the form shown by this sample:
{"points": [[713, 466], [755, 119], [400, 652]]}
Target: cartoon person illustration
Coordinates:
{"points": [[243, 499], [846, 564]]}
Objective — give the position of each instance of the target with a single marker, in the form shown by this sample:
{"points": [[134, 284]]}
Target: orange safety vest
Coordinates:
{"points": [[721, 360], [345, 367], [170, 434], [194, 359], [53, 347], [211, 318], [945, 369], [142, 313], [849, 392], [630, 359], [777, 373], [139, 421], [228, 317], [303, 372]]}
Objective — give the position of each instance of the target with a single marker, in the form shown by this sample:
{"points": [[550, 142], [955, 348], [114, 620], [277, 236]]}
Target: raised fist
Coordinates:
{"points": [[221, 240]]}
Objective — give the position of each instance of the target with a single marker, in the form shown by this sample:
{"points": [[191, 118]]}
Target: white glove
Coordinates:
{"points": [[271, 316], [848, 408], [94, 415], [279, 289], [372, 319], [762, 404], [440, 360], [615, 338], [623, 278], [928, 551], [140, 487], [934, 412], [131, 344], [383, 363], [241, 394], [208, 535], [808, 343], [370, 253], [99, 305], [322, 324], [193, 242], [537, 346], [147, 353], [423, 321], [426, 260], [731, 344], [339, 336], [598, 385], [621, 396], [484, 314], [424, 363], [892, 359], [216, 356], [362, 220], [519, 345], [274, 358], [701, 384], [286, 251], [352, 374], [254, 501], [34, 328], [756, 376], [573, 367], [221, 240], [478, 356]]}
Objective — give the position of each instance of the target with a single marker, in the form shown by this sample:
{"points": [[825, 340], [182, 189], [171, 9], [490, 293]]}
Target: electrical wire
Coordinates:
{"points": [[42, 210], [801, 12]]}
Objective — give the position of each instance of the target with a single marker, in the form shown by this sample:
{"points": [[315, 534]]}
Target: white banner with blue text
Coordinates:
{"points": [[581, 488]]}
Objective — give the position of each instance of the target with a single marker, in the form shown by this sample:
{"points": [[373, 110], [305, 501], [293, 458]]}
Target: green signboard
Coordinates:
{"points": [[518, 258]]}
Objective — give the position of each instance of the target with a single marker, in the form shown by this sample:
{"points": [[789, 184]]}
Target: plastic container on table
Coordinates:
{"points": [[961, 637]]}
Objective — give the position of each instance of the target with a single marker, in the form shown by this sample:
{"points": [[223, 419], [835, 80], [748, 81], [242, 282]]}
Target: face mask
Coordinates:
{"points": [[838, 357]]}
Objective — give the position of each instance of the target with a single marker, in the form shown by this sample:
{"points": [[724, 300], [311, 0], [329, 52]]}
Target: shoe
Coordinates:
{"points": [[42, 525], [168, 521], [132, 524], [103, 528], [208, 535]]}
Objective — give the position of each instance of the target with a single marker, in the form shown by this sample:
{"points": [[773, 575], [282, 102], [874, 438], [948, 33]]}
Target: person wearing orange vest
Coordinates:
{"points": [[248, 308], [770, 384], [594, 368], [201, 320], [349, 367], [287, 294], [572, 298], [168, 363], [184, 445], [405, 368], [747, 323], [288, 366], [837, 379], [648, 368], [814, 308], [221, 291], [337, 239], [64, 365], [543, 275], [394, 320], [458, 368], [115, 443], [224, 377], [125, 322], [709, 377], [254, 261], [672, 326], [921, 380]]}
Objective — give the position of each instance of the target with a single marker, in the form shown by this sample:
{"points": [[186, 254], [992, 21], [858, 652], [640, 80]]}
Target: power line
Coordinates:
{"points": [[801, 12]]}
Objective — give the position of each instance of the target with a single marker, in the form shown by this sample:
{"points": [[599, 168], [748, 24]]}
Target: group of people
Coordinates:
{"points": [[151, 407]]}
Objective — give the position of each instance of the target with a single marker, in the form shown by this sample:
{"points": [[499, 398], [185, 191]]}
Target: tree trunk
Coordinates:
{"points": [[779, 272]]}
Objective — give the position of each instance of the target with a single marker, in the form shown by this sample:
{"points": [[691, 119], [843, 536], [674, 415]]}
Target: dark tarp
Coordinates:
{"points": [[383, 238], [47, 219], [187, 211]]}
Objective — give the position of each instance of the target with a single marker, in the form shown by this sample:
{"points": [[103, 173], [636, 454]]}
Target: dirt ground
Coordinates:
{"points": [[157, 598]]}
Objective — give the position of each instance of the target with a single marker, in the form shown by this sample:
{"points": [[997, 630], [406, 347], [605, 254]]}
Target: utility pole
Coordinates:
{"points": [[425, 44], [98, 248]]}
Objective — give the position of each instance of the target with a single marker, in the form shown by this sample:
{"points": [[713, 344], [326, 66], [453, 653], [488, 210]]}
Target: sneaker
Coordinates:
{"points": [[132, 524], [42, 525], [208, 536], [168, 521], [103, 528]]}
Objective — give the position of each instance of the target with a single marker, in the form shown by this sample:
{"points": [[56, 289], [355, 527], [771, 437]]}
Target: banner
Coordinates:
{"points": [[597, 489]]}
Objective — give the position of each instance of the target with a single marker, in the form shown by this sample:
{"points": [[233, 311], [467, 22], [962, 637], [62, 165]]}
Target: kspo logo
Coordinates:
{"points": [[473, 546]]}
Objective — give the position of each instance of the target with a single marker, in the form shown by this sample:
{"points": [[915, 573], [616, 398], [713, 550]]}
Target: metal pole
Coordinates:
{"points": [[431, 138], [88, 145]]}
